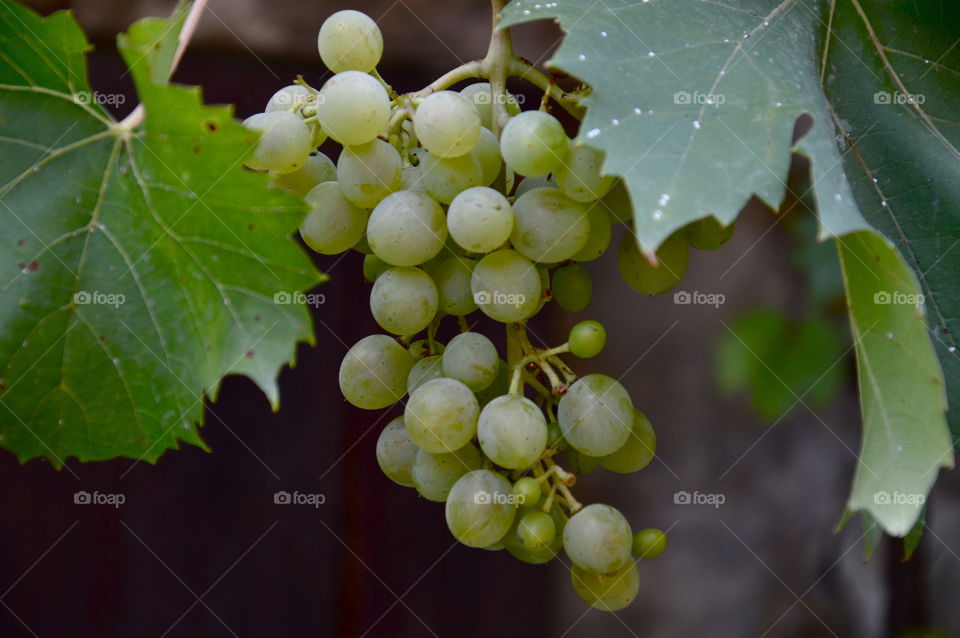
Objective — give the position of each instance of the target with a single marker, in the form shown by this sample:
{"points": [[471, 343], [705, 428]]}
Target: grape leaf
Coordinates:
{"points": [[905, 438], [695, 104], [138, 266]]}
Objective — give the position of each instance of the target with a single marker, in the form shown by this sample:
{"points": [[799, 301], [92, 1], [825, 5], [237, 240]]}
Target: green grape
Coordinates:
{"points": [[453, 283], [317, 135], [425, 369], [480, 219], [404, 300], [289, 98], [445, 178], [477, 511], [533, 143], [441, 415], [506, 286], [369, 172], [487, 152], [396, 453], [708, 233], [572, 287], [536, 530], [512, 432], [608, 592], [410, 179], [373, 267], [363, 246], [637, 452], [333, 224], [482, 97], [353, 108], [601, 232], [598, 539], [434, 474], [471, 359], [595, 415], [587, 339], [579, 176], [316, 170], [284, 143], [548, 226], [350, 41], [528, 491], [581, 463], [616, 204], [422, 348], [539, 554], [499, 387], [447, 124], [406, 228], [374, 372], [555, 437], [527, 184], [636, 270], [546, 292], [649, 543]]}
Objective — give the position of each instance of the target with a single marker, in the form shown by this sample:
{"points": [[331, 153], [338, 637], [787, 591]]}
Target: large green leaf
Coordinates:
{"points": [[138, 267], [695, 104], [905, 171], [905, 438]]}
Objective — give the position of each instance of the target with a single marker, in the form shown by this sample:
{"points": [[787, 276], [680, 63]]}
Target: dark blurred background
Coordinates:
{"points": [[200, 549]]}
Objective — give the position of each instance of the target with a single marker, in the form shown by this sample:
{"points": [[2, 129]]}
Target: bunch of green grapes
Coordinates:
{"points": [[462, 203]]}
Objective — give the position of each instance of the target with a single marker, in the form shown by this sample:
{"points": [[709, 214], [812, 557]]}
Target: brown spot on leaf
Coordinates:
{"points": [[248, 354], [211, 126]]}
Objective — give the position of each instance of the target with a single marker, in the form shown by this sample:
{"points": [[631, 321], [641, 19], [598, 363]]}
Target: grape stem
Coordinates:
{"points": [[135, 118]]}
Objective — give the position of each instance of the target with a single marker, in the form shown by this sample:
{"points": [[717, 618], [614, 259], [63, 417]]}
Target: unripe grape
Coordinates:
{"points": [[447, 124], [527, 184], [601, 232], [708, 233], [472, 359], [317, 169], [435, 474], [480, 219], [572, 287], [396, 453], [404, 300], [453, 276], [596, 415], [369, 172], [649, 543], [580, 463], [536, 530], [477, 511], [536, 554], [637, 452], [407, 228], [284, 143], [353, 108], [555, 437], [333, 224], [587, 339], [533, 143], [350, 41], [636, 270], [441, 415], [579, 176], [373, 267], [528, 491], [512, 432], [610, 592], [425, 369], [373, 373], [506, 286], [598, 539], [548, 227]]}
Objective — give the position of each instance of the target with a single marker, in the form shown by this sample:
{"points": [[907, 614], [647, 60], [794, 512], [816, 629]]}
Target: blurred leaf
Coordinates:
{"points": [[911, 540]]}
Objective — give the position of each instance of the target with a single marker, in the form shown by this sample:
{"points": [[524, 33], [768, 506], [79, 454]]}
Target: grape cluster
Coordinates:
{"points": [[461, 202]]}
